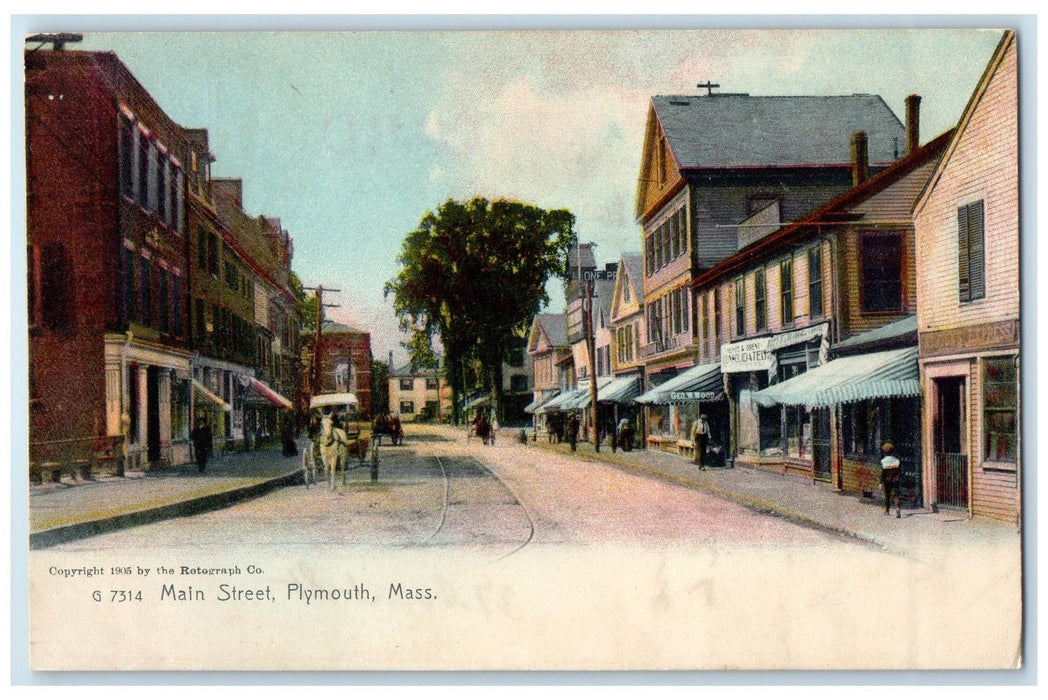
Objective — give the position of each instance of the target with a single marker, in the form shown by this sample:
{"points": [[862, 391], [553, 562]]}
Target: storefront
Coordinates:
{"points": [[768, 435], [871, 398], [673, 406]]}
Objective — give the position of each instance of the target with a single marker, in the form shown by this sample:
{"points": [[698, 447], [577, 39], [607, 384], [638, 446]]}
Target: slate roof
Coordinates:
{"points": [[556, 327], [735, 130], [634, 264]]}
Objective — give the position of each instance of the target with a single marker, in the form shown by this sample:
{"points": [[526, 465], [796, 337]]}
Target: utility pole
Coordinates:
{"points": [[587, 319], [318, 384]]}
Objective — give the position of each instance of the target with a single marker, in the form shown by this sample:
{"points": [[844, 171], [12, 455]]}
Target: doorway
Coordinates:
{"points": [[153, 414], [950, 443]]}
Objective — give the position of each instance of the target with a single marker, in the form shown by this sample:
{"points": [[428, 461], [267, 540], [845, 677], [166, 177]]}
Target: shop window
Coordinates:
{"points": [[971, 252], [1000, 410], [881, 269], [760, 306]]}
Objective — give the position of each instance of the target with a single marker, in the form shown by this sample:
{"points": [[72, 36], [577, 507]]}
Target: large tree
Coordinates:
{"points": [[475, 274]]}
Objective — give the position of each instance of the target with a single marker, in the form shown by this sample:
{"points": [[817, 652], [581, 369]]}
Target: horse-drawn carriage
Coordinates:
{"points": [[337, 439]]}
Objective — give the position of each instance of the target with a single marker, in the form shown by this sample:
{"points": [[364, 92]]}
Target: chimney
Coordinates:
{"points": [[390, 360], [913, 123], [860, 158]]}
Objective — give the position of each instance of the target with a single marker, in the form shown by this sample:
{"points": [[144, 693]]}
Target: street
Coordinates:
{"points": [[440, 490]]}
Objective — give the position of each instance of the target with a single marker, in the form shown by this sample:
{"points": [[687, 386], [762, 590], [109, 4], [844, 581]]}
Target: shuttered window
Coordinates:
{"points": [[971, 252], [760, 300], [786, 286], [815, 281], [740, 307]]}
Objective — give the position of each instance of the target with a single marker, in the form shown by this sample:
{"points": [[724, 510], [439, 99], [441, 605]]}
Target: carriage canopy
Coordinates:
{"points": [[345, 401]]}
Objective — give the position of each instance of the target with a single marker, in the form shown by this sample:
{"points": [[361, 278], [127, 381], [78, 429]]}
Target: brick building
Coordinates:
{"points": [[108, 256], [345, 364]]}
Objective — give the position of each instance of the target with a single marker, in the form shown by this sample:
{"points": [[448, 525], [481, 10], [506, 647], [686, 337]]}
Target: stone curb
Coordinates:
{"points": [[201, 504]]}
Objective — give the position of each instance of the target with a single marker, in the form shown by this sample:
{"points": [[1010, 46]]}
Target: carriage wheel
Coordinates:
{"points": [[307, 468]]}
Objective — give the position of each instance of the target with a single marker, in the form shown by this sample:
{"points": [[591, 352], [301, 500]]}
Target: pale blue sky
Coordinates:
{"points": [[349, 138]]}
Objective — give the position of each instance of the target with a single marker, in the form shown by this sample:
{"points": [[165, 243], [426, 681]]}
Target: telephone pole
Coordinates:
{"points": [[587, 319], [318, 384]]}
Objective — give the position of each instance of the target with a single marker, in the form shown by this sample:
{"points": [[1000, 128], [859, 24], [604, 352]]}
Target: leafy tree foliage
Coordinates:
{"points": [[475, 274]]}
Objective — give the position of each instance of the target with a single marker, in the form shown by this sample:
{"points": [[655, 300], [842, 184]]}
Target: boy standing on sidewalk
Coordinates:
{"points": [[701, 438], [890, 477]]}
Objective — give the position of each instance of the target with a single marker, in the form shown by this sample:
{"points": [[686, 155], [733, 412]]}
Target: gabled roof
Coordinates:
{"points": [[553, 326], [631, 269], [1007, 41], [830, 214], [633, 263], [743, 131]]}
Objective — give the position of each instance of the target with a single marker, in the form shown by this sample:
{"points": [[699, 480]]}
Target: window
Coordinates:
{"points": [[1000, 414], [212, 254], [127, 157], [200, 321], [971, 252], [202, 247], [407, 408], [649, 254], [786, 285], [740, 306], [176, 305], [150, 171], [165, 318], [407, 384], [515, 357], [34, 276], [716, 319], [161, 188], [145, 293], [432, 384], [705, 321], [142, 169], [685, 316], [815, 281], [56, 290], [682, 229], [760, 307], [881, 270]]}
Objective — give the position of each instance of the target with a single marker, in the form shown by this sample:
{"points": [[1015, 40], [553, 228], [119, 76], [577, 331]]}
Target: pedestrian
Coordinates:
{"points": [[890, 477], [398, 432], [573, 430], [202, 443], [624, 434], [287, 438], [494, 428], [701, 438]]}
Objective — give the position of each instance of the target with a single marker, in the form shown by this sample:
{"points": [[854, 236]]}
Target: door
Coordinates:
{"points": [[820, 436], [153, 414], [951, 452]]}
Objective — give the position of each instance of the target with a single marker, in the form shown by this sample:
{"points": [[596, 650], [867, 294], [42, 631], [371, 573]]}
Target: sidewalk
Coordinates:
{"points": [[64, 512], [916, 533]]}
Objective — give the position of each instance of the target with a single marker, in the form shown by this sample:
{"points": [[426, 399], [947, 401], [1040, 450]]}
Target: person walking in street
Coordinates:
{"points": [[890, 477], [625, 435], [573, 430], [202, 443], [700, 433]]}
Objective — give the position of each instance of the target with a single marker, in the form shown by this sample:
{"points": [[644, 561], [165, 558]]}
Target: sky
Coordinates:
{"points": [[349, 138]]}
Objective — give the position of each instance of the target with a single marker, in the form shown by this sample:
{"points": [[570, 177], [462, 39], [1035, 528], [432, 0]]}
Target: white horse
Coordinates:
{"points": [[334, 448]]}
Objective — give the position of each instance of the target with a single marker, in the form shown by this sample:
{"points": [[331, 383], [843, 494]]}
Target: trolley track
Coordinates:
{"points": [[467, 490]]}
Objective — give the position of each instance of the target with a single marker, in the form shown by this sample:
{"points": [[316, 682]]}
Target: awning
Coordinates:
{"points": [[561, 401], [199, 390], [338, 400], [583, 399], [879, 375], [700, 383], [475, 401], [620, 390], [543, 399], [266, 392]]}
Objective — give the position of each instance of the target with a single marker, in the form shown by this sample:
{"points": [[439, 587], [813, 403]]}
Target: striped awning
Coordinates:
{"points": [[266, 392], [878, 375], [201, 391], [620, 390], [561, 402], [543, 399], [699, 383], [583, 399]]}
